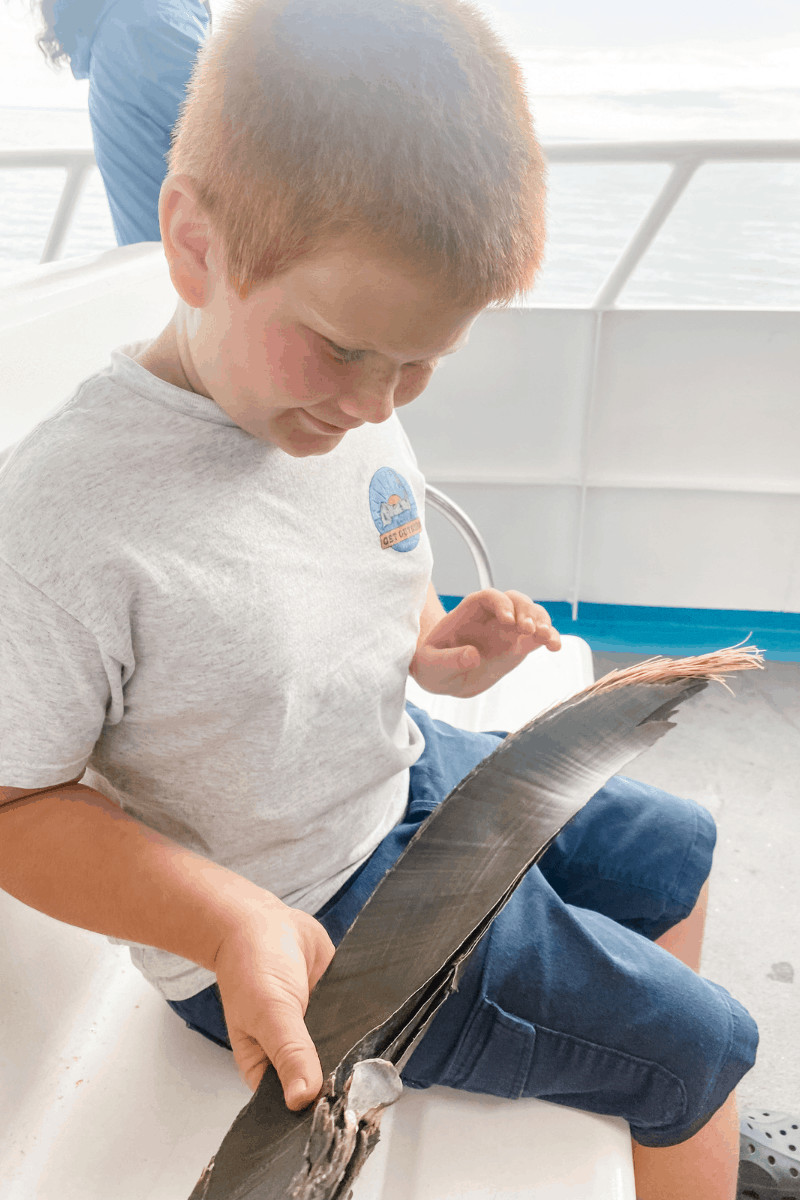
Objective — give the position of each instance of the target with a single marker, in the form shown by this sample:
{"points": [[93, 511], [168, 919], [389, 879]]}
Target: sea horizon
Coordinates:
{"points": [[731, 241]]}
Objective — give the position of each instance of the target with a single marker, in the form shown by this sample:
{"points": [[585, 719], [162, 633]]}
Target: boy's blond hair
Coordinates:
{"points": [[398, 121]]}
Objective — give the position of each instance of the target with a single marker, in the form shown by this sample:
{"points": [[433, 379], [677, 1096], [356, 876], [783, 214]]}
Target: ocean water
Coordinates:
{"points": [[732, 240]]}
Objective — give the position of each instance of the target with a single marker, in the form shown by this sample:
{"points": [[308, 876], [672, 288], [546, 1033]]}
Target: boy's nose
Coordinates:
{"points": [[373, 399]]}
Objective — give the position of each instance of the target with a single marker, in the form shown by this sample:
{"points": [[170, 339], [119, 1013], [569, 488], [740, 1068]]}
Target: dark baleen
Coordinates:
{"points": [[401, 958]]}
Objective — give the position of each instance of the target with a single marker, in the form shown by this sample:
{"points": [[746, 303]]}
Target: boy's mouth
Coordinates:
{"points": [[325, 427]]}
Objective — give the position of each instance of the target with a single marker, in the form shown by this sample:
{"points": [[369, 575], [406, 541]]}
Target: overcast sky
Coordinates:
{"points": [[643, 22], [758, 27]]}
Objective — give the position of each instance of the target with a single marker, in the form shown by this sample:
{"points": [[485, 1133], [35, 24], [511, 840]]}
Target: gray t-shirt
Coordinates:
{"points": [[218, 631]]}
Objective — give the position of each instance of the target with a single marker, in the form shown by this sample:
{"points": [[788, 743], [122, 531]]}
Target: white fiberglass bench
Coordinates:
{"points": [[104, 1092]]}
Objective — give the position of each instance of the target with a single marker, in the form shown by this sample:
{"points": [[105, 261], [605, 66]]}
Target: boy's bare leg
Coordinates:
{"points": [[702, 1168], [705, 1166], [684, 940]]}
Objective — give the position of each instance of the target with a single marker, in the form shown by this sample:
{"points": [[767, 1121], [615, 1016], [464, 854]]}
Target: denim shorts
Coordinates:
{"points": [[567, 997]]}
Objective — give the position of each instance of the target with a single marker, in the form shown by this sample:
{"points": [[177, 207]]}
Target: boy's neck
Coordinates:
{"points": [[162, 359]]}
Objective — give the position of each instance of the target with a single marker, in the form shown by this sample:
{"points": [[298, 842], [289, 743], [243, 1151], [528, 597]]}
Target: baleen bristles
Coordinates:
{"points": [[665, 670]]}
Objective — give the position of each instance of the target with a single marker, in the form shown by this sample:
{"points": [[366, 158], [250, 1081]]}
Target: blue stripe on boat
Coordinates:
{"points": [[617, 628]]}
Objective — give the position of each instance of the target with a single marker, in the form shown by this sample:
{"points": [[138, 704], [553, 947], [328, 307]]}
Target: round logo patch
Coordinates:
{"points": [[394, 510]]}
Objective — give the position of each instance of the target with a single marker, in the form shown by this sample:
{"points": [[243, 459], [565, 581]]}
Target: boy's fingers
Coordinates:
{"points": [[452, 658], [492, 603], [554, 642], [503, 606], [289, 1048], [320, 965], [544, 632], [524, 609], [523, 603], [549, 637], [534, 619], [250, 1059]]}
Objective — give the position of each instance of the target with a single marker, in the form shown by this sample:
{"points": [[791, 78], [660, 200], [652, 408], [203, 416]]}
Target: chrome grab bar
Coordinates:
{"points": [[460, 521]]}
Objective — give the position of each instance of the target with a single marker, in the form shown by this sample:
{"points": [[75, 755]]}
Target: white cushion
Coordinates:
{"points": [[540, 680]]}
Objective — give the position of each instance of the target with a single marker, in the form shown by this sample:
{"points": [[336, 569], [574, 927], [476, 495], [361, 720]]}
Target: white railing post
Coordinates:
{"points": [[77, 164], [77, 174], [588, 404], [652, 222]]}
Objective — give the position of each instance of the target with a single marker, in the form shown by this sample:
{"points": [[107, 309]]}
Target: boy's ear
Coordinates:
{"points": [[186, 236]]}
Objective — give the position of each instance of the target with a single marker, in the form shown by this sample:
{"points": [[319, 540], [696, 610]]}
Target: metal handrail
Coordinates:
{"points": [[460, 520], [713, 149]]}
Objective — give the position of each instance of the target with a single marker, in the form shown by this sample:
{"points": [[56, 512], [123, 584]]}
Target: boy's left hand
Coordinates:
{"points": [[480, 641]]}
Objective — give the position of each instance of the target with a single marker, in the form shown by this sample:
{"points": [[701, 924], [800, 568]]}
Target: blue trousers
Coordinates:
{"points": [[567, 997]]}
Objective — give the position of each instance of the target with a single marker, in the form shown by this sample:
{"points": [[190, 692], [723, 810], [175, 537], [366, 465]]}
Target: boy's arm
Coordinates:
{"points": [[70, 852], [432, 613], [73, 854]]}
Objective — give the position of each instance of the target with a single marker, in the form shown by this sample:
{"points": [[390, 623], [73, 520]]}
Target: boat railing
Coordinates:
{"points": [[78, 165], [686, 157]]}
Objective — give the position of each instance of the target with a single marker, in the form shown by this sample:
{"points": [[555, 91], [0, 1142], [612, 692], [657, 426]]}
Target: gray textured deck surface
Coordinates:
{"points": [[738, 756]]}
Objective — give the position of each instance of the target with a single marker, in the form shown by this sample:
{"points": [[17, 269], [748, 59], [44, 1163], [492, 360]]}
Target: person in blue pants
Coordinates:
{"points": [[137, 56]]}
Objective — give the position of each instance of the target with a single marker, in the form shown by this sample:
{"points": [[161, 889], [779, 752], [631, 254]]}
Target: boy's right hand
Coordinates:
{"points": [[266, 967]]}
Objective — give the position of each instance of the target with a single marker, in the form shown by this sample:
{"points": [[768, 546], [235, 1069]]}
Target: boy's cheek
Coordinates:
{"points": [[295, 368], [413, 381]]}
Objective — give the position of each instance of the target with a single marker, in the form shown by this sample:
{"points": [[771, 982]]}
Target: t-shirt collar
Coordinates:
{"points": [[136, 377]]}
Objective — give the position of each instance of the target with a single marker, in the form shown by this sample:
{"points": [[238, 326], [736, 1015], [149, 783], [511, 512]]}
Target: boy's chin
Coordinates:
{"points": [[299, 438], [305, 445], [310, 451]]}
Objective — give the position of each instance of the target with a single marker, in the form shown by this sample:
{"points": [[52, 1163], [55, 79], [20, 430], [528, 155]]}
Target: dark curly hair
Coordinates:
{"points": [[72, 16], [58, 29]]}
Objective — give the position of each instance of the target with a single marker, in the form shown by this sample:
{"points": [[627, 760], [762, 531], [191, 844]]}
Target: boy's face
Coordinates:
{"points": [[338, 340]]}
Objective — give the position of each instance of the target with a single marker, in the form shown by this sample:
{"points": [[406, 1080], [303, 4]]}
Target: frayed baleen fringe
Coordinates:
{"points": [[660, 669]]}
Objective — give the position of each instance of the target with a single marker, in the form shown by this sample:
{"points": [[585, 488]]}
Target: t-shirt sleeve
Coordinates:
{"points": [[142, 57], [407, 443], [57, 688]]}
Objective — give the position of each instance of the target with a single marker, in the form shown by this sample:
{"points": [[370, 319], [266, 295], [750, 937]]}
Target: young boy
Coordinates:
{"points": [[215, 580]]}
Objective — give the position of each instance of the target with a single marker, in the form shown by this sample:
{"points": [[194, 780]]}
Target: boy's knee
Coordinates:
{"points": [[720, 1044], [636, 854]]}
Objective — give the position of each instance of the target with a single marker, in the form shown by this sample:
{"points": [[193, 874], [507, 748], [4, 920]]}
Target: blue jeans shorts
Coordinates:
{"points": [[567, 997]]}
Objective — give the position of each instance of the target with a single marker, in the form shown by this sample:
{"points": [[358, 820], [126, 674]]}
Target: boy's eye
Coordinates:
{"points": [[345, 356]]}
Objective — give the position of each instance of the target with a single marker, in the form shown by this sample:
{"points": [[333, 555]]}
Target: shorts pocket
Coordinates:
{"points": [[493, 1055]]}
